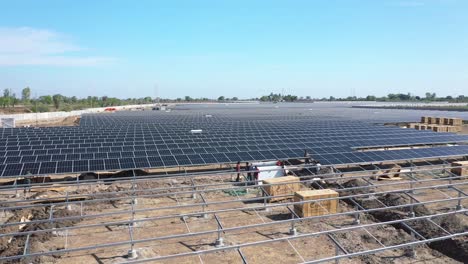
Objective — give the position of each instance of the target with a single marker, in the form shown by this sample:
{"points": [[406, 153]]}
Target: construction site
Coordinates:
{"points": [[289, 183]]}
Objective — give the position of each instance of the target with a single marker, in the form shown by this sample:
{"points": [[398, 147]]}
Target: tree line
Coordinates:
{"points": [[272, 97], [58, 102], [400, 97]]}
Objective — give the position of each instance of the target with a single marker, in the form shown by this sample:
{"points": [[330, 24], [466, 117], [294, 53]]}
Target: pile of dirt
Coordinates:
{"points": [[456, 248], [352, 184]]}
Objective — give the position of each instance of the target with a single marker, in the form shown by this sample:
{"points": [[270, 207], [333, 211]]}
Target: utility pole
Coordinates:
{"points": [[156, 94], [35, 102], [11, 98]]}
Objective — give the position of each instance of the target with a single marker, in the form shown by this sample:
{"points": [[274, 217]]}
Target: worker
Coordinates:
{"points": [[238, 169], [306, 157], [248, 169], [256, 172]]}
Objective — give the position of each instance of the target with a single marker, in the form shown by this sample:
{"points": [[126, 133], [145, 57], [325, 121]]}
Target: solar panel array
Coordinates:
{"points": [[152, 139]]}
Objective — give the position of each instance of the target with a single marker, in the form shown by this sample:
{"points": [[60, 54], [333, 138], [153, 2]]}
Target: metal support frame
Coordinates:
{"points": [[244, 208], [304, 179], [199, 189]]}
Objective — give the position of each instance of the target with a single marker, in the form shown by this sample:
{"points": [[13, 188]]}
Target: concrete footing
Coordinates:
{"points": [[132, 254], [219, 242], [293, 232]]}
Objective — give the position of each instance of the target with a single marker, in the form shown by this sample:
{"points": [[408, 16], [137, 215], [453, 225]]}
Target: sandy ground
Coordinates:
{"points": [[53, 122]]}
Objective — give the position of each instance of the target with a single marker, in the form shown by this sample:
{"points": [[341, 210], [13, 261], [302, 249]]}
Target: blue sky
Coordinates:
{"points": [[234, 48]]}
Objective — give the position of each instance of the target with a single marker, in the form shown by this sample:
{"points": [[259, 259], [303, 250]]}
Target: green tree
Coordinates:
{"points": [[3, 102], [57, 98], [430, 96], [6, 96], [235, 98], [46, 99], [26, 95], [6, 93], [290, 98], [221, 98], [13, 100], [188, 98]]}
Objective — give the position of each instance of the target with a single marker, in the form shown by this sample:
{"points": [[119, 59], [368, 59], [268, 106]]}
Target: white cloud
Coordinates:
{"points": [[29, 46]]}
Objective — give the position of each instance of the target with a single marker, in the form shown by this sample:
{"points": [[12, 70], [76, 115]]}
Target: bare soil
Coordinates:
{"points": [[456, 248], [15, 110], [291, 251], [52, 122]]}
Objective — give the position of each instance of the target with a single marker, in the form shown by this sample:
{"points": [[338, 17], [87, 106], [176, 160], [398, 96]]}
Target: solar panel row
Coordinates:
{"points": [[150, 139], [80, 166]]}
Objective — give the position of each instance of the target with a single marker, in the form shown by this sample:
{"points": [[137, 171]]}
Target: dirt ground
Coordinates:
{"points": [[52, 122], [14, 110], [288, 251]]}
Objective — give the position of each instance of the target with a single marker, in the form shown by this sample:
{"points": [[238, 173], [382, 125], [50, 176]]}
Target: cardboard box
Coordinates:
{"points": [[439, 128], [421, 127], [457, 168], [286, 185], [444, 121], [453, 129], [315, 208], [456, 128], [424, 119], [455, 122]]}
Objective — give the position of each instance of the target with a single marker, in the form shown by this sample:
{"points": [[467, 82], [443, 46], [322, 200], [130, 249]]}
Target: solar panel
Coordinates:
{"points": [[131, 140]]}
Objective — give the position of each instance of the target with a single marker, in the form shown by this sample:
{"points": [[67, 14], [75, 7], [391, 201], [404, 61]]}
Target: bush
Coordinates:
{"points": [[66, 108], [40, 108]]}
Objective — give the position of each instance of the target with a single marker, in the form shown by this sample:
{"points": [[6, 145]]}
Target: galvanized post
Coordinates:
{"points": [[16, 187], [293, 230], [51, 212], [26, 246], [412, 248], [357, 217], [459, 205], [66, 239], [411, 182], [68, 205], [132, 253], [219, 241], [337, 253]]}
